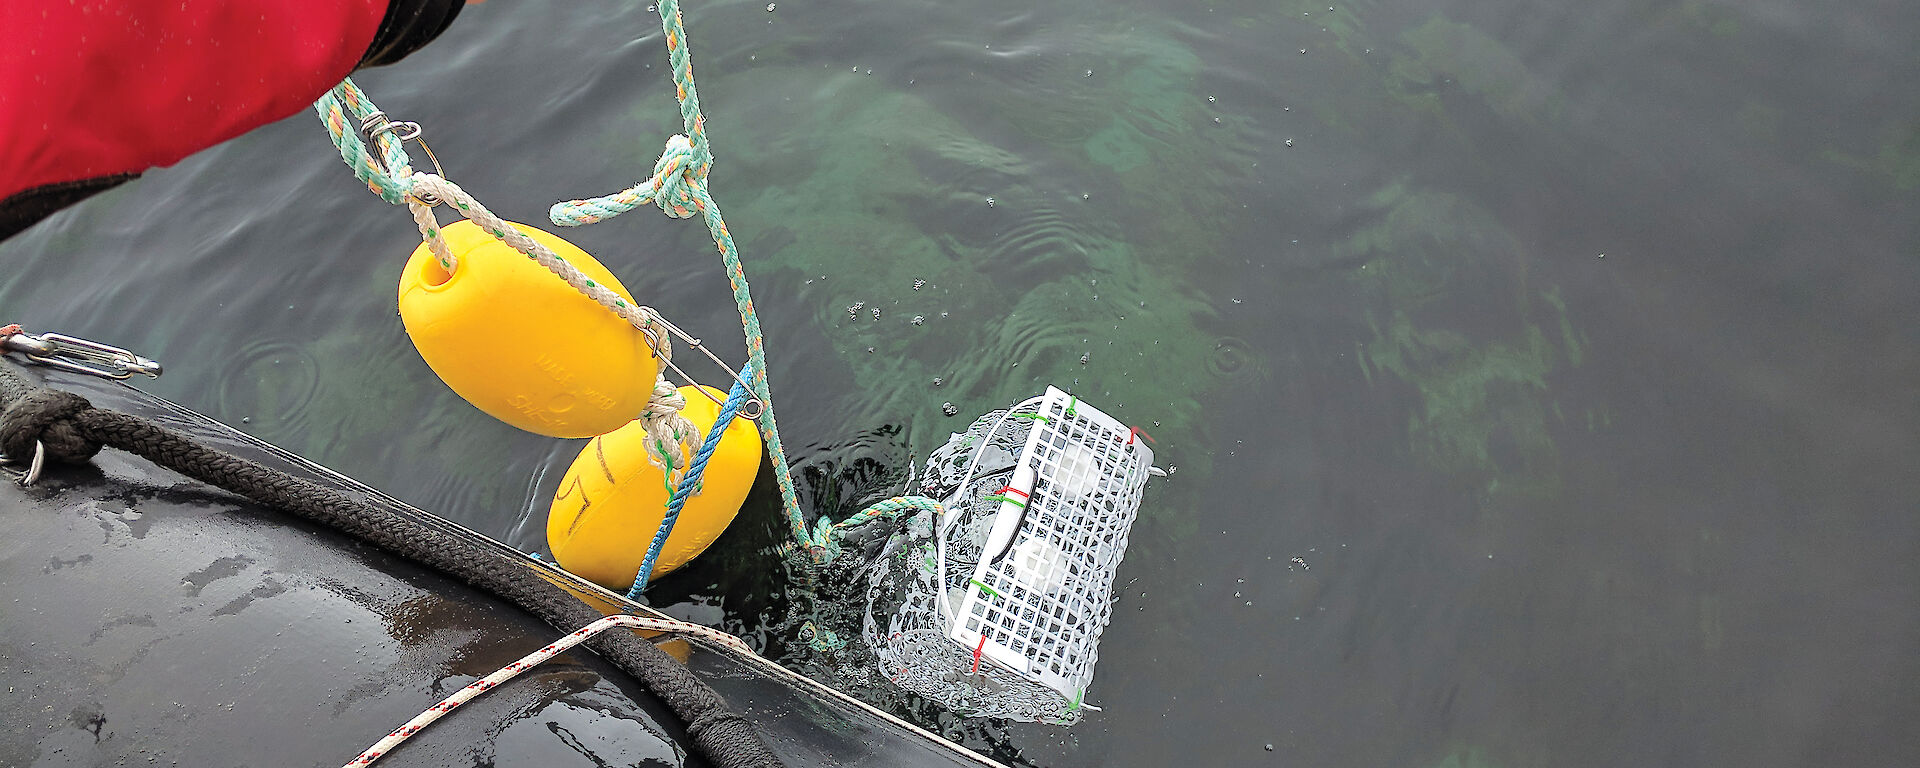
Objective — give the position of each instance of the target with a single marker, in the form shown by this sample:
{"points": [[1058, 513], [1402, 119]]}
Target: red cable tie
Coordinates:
{"points": [[1136, 431], [1011, 489], [976, 653]]}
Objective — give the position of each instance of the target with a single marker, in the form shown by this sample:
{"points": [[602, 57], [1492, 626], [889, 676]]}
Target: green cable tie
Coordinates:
{"points": [[987, 589], [1014, 501]]}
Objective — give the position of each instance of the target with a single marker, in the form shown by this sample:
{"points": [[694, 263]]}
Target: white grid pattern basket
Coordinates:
{"points": [[1039, 610]]}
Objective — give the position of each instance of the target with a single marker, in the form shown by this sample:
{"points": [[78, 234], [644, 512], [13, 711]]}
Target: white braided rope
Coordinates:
{"points": [[671, 438], [531, 660]]}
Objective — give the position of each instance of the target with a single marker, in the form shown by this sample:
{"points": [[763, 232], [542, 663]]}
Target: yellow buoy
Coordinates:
{"points": [[519, 343], [611, 501]]}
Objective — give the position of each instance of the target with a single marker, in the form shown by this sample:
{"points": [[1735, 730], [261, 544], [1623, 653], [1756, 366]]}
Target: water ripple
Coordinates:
{"points": [[270, 383]]}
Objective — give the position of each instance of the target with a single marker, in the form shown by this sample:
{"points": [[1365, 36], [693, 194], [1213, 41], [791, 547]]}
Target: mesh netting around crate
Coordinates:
{"points": [[1041, 605], [903, 621]]}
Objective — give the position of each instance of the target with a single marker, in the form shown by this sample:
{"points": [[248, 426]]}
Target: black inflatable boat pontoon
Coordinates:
{"points": [[146, 619]]}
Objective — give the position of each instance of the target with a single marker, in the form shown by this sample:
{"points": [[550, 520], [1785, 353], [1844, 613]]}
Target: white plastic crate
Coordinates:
{"points": [[1038, 607]]}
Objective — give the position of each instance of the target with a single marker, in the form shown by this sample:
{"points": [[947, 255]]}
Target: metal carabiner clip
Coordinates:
{"points": [[77, 355]]}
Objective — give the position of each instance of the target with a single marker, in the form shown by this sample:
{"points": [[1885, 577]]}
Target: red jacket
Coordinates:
{"points": [[94, 92]]}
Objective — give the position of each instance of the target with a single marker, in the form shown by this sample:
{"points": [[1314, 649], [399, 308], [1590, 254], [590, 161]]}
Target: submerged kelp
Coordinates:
{"points": [[995, 285], [1484, 403]]}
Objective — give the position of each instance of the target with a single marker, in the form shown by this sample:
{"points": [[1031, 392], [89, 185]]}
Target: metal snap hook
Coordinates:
{"points": [[403, 131], [77, 355]]}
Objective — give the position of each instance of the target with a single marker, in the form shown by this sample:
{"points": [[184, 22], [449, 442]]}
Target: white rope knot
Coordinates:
{"points": [[666, 400], [671, 438], [676, 175]]}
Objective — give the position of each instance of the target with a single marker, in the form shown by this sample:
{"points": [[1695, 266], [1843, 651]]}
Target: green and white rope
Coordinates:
{"points": [[679, 187], [891, 509], [671, 438]]}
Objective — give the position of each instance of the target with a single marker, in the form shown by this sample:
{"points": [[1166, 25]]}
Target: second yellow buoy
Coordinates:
{"points": [[611, 501]]}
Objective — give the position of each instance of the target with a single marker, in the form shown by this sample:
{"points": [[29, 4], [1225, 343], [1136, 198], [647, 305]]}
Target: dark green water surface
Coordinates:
{"points": [[1542, 379]]}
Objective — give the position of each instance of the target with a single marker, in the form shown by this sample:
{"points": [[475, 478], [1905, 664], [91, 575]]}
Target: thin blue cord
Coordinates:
{"points": [[735, 398]]}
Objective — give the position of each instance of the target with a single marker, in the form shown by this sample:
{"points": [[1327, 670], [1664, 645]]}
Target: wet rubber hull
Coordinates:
{"points": [[146, 619]]}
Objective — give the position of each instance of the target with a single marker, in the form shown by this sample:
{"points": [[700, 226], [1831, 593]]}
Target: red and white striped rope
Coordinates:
{"points": [[529, 661]]}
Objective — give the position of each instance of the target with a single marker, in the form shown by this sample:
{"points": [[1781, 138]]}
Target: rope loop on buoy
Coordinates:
{"points": [[670, 435], [678, 186]]}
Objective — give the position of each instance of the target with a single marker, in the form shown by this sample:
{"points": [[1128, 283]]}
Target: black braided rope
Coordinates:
{"points": [[72, 431]]}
